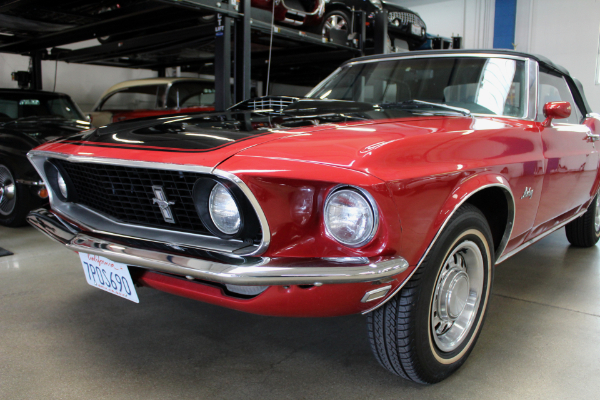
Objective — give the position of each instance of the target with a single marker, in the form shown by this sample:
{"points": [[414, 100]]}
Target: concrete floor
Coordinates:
{"points": [[63, 339]]}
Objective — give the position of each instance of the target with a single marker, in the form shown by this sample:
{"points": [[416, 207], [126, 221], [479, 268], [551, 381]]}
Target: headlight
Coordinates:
{"points": [[377, 3], [350, 217], [62, 185], [223, 210], [59, 181]]}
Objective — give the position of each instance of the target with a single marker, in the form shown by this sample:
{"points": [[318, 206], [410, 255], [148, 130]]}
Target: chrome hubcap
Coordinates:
{"points": [[457, 295], [335, 22], [7, 191], [597, 219]]}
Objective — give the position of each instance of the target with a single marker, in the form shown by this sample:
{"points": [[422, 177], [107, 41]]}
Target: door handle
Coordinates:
{"points": [[591, 137]]}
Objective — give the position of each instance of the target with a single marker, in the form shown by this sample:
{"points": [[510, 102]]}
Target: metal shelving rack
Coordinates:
{"points": [[157, 34]]}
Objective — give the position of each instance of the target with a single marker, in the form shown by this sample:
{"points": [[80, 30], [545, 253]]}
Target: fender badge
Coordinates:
{"points": [[527, 193]]}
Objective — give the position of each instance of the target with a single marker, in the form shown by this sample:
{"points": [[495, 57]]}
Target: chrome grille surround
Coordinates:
{"points": [[96, 221]]}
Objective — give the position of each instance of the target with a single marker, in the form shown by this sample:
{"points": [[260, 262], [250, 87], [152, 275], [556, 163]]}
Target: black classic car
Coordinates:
{"points": [[28, 119], [406, 29]]}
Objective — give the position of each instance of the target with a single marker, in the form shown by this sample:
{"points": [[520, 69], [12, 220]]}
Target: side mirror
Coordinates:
{"points": [[556, 110]]}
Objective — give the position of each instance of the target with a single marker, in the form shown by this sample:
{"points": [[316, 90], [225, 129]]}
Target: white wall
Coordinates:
{"points": [[565, 32], [84, 83], [471, 19]]}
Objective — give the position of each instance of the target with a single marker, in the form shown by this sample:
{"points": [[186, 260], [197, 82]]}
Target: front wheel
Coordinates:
{"points": [[585, 230], [427, 330]]}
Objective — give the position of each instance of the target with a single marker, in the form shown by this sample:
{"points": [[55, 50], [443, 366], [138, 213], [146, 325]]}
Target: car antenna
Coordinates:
{"points": [[270, 48]]}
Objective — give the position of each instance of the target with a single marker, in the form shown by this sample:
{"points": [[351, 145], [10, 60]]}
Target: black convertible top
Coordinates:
{"points": [[541, 59]]}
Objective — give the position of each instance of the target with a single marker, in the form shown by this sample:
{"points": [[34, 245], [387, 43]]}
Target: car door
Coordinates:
{"points": [[570, 156]]}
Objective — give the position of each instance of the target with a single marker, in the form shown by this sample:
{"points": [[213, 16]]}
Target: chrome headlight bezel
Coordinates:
{"points": [[369, 201]]}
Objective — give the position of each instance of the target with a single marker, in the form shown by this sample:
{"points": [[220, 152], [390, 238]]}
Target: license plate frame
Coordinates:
{"points": [[110, 276]]}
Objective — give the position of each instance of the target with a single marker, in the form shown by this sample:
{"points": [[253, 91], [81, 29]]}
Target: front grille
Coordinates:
{"points": [[125, 194], [405, 18], [275, 103]]}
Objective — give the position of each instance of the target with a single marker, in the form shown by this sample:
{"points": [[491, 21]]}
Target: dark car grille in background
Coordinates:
{"points": [[125, 193], [405, 18]]}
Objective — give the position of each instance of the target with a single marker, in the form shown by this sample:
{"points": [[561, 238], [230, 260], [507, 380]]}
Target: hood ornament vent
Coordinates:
{"points": [[266, 103]]}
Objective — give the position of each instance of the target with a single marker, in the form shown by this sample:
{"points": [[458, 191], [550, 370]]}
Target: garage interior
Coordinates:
{"points": [[63, 339]]}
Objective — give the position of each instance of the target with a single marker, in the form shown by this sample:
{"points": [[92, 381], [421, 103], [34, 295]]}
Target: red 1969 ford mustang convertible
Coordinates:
{"points": [[391, 190]]}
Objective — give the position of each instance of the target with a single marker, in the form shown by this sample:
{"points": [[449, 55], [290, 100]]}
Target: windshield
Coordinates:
{"points": [[481, 85], [26, 105]]}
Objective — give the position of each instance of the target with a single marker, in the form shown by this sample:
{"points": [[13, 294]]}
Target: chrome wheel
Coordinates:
{"points": [[458, 292], [8, 191], [335, 21], [597, 217]]}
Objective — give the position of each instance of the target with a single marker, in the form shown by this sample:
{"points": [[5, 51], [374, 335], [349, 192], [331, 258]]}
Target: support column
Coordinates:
{"points": [[242, 53], [361, 28], [222, 63], [380, 36], [36, 71]]}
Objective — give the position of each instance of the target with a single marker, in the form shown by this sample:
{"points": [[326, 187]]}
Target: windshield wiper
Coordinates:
{"points": [[460, 110], [37, 117]]}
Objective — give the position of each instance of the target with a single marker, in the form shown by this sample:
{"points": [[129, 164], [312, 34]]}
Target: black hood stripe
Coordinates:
{"points": [[149, 147]]}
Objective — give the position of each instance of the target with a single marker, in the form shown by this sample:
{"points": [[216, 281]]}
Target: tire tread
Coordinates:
{"points": [[581, 232], [392, 327]]}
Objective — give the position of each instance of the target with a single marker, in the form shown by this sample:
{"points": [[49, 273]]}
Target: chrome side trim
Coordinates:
{"points": [[375, 294], [30, 183], [103, 224], [254, 271], [118, 161], [535, 239], [476, 55], [501, 247]]}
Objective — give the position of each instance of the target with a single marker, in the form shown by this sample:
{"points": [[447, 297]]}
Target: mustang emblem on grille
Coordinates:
{"points": [[164, 204]]}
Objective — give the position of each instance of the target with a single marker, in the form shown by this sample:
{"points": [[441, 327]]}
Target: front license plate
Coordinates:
{"points": [[109, 276], [416, 29]]}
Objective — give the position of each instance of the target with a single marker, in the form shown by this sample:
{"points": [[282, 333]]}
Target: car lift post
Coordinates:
{"points": [[360, 26], [36, 70], [380, 36], [242, 60], [222, 62]]}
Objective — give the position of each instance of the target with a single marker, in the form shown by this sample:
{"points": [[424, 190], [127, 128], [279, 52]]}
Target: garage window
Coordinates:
{"points": [[147, 97]]}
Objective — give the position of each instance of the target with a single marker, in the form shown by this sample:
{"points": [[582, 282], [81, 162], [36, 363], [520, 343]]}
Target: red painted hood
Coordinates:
{"points": [[375, 146]]}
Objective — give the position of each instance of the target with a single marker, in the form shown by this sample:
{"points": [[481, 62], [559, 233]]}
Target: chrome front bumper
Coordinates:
{"points": [[253, 271]]}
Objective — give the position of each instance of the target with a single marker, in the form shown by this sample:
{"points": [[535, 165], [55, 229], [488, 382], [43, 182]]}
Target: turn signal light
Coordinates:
{"points": [[43, 193]]}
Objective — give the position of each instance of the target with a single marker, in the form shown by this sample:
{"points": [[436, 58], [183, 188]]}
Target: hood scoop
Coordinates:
{"points": [[266, 104]]}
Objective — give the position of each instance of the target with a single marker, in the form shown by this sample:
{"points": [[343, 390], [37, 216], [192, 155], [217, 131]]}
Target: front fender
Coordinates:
{"points": [[462, 191]]}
